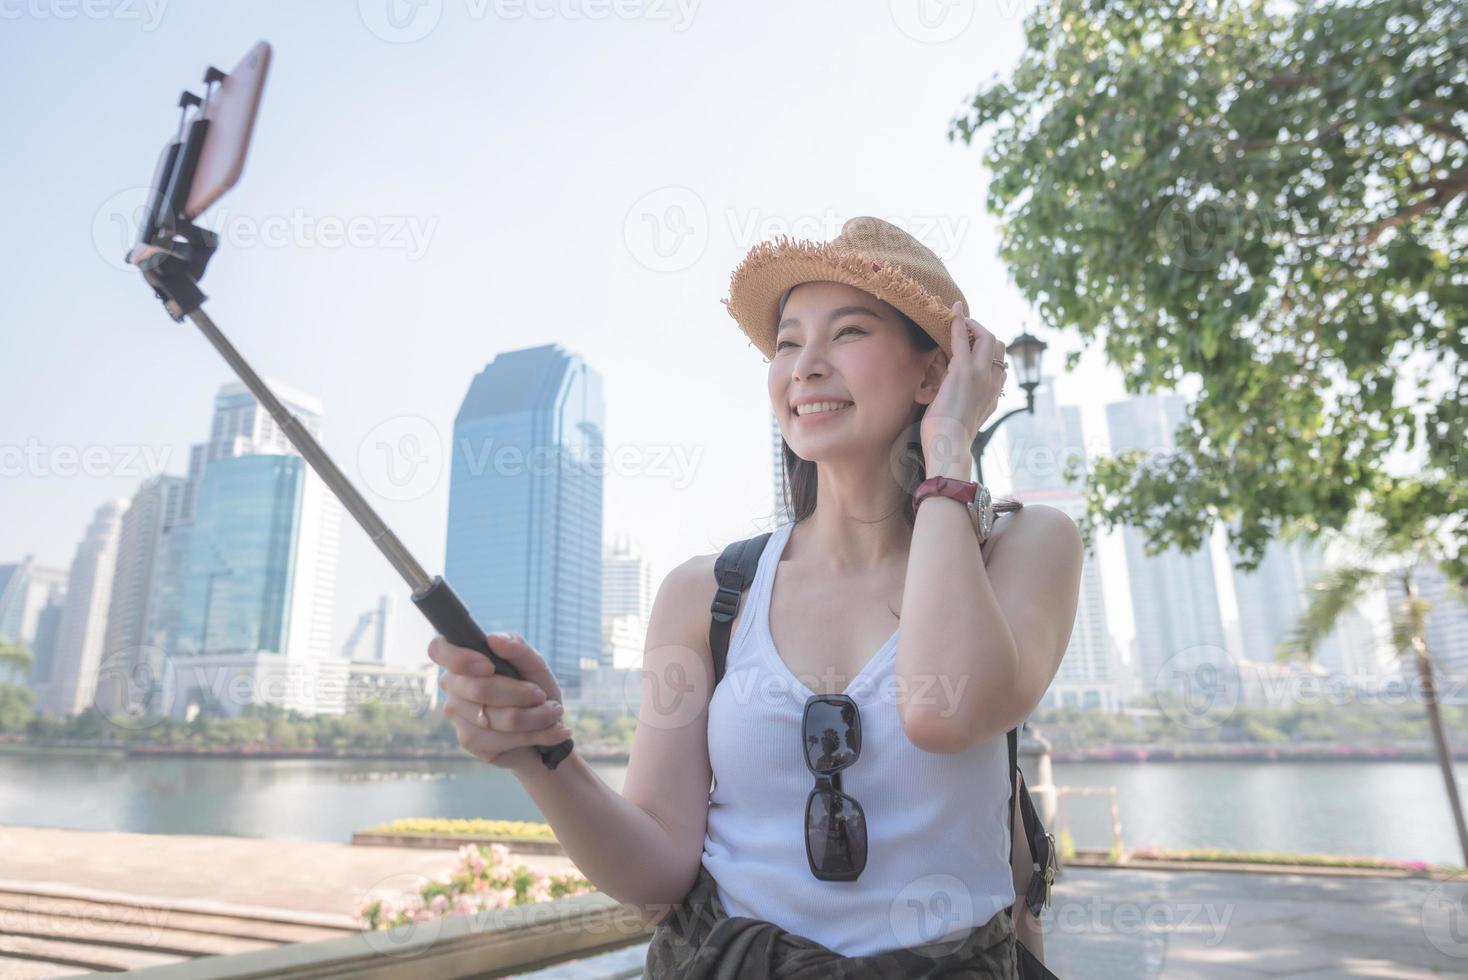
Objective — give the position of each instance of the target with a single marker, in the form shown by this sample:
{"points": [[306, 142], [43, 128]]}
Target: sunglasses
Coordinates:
{"points": [[835, 827]]}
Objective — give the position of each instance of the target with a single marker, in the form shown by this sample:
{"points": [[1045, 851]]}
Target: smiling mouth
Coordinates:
{"points": [[825, 413]]}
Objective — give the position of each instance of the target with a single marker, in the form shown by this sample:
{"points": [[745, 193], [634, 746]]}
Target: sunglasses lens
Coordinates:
{"points": [[832, 734], [836, 832]]}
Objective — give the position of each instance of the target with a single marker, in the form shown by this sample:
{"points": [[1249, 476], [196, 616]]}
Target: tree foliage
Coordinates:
{"points": [[1268, 199]]}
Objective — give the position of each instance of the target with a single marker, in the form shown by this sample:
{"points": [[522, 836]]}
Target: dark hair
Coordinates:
{"points": [[800, 474]]}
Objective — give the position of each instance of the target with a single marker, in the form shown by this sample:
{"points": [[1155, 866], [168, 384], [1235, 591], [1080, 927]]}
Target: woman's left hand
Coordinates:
{"points": [[966, 398]]}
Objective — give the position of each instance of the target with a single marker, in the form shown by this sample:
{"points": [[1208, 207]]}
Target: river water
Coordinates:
{"points": [[1396, 809]]}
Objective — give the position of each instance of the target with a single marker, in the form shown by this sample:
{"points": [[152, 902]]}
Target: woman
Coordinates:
{"points": [[903, 869]]}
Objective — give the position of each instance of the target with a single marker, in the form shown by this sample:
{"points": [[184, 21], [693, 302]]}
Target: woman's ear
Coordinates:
{"points": [[933, 375]]}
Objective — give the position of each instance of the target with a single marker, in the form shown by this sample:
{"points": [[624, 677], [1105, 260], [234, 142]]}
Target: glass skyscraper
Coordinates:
{"points": [[235, 596], [255, 564], [524, 545]]}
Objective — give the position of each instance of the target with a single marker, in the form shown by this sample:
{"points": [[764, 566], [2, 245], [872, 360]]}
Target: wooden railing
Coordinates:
{"points": [[495, 943]]}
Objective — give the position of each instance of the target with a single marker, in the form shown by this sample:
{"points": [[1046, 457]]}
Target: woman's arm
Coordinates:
{"points": [[982, 638], [644, 846]]}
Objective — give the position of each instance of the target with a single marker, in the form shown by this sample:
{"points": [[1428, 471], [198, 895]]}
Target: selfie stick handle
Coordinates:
{"points": [[433, 596]]}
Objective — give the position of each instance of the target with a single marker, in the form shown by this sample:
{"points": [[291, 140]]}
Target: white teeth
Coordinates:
{"points": [[820, 407]]}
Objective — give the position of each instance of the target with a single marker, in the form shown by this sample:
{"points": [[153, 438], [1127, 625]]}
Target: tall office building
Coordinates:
{"points": [[525, 505], [256, 595], [31, 598], [627, 594], [1174, 595], [138, 615], [1447, 620], [82, 630], [369, 639], [1032, 452], [1270, 599]]}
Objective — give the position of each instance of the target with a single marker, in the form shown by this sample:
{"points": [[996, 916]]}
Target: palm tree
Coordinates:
{"points": [[1375, 558], [14, 655]]}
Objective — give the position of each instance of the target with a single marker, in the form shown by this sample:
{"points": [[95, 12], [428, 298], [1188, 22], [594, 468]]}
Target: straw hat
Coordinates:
{"points": [[871, 254]]}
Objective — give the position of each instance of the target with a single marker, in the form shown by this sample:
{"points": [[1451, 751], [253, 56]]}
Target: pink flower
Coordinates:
{"points": [[500, 853]]}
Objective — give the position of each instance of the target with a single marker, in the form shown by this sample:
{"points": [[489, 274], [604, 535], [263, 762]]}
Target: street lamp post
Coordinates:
{"points": [[1025, 351]]}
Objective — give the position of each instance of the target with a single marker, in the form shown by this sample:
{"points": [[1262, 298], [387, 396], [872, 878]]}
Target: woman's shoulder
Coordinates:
{"points": [[1043, 522]]}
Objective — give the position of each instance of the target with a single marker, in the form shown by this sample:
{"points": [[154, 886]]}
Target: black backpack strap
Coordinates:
{"points": [[734, 570], [1042, 844]]}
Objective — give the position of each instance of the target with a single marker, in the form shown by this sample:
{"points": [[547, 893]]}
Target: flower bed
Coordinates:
{"points": [[1274, 857], [435, 827], [482, 880]]}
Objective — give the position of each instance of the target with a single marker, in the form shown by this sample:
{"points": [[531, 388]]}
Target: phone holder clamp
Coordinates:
{"points": [[173, 268]]}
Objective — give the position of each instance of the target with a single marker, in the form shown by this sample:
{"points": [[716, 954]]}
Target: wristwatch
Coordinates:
{"points": [[973, 495]]}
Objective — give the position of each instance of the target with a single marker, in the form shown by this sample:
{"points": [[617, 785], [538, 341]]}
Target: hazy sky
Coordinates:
{"points": [[432, 183]]}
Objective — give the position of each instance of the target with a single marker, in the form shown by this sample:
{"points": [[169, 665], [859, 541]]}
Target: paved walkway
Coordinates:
{"points": [[305, 876], [1104, 923], [1143, 924]]}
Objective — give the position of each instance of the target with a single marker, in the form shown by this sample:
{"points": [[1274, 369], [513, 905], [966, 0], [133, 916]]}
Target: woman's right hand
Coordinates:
{"points": [[520, 714]]}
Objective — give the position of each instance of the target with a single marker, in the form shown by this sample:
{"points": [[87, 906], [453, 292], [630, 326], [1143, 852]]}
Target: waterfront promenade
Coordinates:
{"points": [[147, 890]]}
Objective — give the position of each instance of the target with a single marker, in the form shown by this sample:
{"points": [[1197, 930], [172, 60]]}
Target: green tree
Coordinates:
{"points": [[16, 709], [1374, 560], [15, 656], [1267, 199]]}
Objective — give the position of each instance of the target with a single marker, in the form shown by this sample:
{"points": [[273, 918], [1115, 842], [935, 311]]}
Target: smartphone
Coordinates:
{"points": [[157, 192], [230, 111]]}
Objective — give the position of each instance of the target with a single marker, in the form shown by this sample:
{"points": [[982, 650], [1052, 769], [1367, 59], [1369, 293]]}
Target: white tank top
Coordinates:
{"points": [[937, 823]]}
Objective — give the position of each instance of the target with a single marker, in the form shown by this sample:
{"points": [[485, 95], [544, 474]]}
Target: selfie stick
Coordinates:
{"points": [[173, 267]]}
